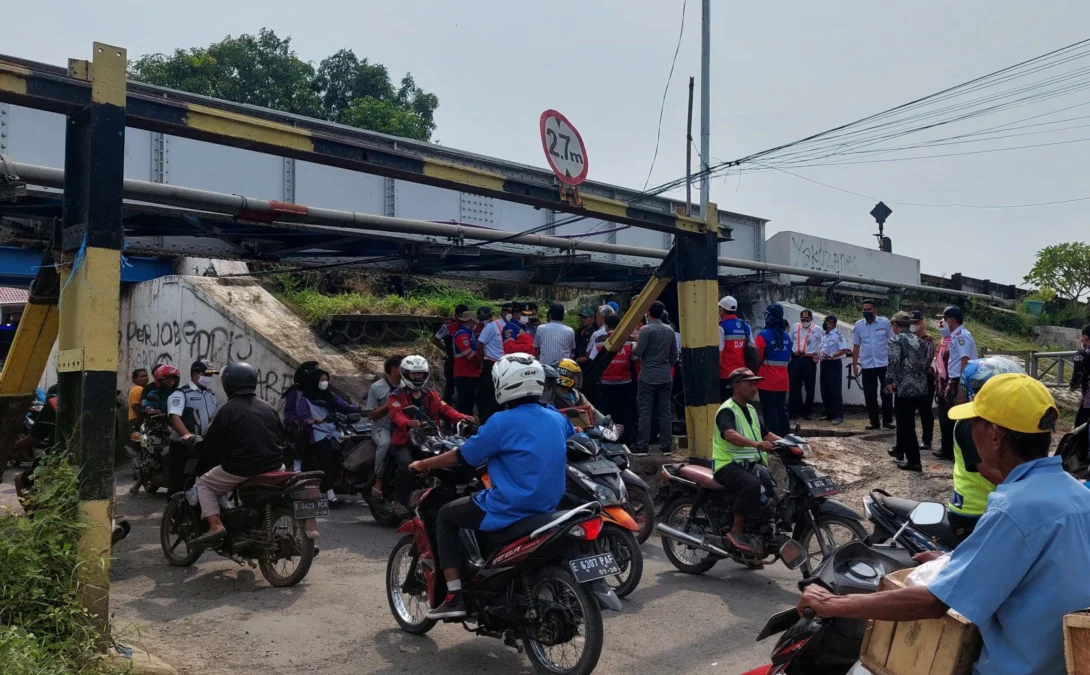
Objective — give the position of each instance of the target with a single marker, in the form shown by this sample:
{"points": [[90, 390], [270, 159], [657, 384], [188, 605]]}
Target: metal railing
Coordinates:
{"points": [[1052, 360]]}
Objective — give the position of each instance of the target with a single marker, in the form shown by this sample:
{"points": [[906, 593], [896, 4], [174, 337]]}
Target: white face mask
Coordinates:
{"points": [[943, 330], [323, 385], [806, 323], [524, 319], [506, 317], [205, 381]]}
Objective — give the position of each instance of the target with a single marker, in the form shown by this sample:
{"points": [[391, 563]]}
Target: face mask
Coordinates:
{"points": [[944, 331], [323, 385], [205, 381], [869, 316], [806, 323], [506, 317], [524, 319]]}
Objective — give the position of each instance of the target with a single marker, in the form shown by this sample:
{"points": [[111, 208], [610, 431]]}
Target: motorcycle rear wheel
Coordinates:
{"points": [[409, 610], [303, 545], [642, 509], [561, 598], [387, 518], [698, 561], [174, 531], [626, 551]]}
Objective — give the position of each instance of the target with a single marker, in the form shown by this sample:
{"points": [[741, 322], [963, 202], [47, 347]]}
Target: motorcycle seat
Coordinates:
{"points": [[902, 508], [496, 538], [276, 478], [701, 475]]}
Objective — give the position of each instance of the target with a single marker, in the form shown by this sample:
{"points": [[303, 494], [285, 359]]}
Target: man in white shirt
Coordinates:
{"points": [[554, 340], [831, 353], [802, 368], [489, 350], [598, 337], [189, 411], [870, 357]]}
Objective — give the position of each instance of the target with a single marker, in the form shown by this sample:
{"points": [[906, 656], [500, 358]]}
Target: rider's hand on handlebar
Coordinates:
{"points": [[417, 467], [926, 556], [414, 424], [816, 598], [191, 440], [765, 445]]}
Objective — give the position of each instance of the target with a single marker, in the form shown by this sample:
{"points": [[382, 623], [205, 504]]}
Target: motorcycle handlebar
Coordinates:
{"points": [[809, 614]]}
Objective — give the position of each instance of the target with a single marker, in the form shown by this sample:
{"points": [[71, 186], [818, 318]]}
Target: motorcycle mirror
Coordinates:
{"points": [[928, 513], [793, 554]]}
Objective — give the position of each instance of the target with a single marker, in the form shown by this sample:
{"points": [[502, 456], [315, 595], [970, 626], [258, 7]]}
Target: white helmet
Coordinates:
{"points": [[414, 371], [517, 376], [728, 304]]}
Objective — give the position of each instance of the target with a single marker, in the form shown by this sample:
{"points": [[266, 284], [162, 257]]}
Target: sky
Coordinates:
{"points": [[780, 71]]}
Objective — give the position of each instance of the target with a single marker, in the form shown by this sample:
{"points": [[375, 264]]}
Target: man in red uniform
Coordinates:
{"points": [[616, 391], [467, 365], [734, 336]]}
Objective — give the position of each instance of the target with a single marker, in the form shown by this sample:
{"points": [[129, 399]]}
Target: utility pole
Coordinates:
{"points": [[705, 102], [689, 155]]}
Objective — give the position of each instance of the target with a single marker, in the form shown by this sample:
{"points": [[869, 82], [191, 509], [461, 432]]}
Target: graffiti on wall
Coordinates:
{"points": [[823, 255]]}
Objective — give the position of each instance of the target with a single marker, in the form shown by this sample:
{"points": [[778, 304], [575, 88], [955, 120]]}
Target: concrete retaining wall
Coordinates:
{"points": [[804, 250]]}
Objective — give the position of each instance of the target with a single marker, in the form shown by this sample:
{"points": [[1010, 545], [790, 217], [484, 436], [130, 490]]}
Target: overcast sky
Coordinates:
{"points": [[780, 70]]}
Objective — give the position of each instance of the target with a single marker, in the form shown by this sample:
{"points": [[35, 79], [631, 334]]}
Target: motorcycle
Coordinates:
{"points": [[271, 518], [356, 452], [426, 440], [892, 521], [23, 448], [699, 513], [813, 646], [539, 580], [640, 505], [149, 454], [593, 477]]}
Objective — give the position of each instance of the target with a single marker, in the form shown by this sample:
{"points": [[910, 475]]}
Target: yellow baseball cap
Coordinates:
{"points": [[1013, 401]]}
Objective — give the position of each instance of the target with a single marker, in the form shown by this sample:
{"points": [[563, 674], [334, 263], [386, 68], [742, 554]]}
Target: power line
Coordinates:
{"points": [[662, 107]]}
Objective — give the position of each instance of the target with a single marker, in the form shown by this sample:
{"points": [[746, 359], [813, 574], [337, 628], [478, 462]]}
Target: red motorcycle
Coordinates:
{"points": [[539, 580]]}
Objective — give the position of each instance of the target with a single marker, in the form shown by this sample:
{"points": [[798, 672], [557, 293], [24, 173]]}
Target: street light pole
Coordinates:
{"points": [[705, 103]]}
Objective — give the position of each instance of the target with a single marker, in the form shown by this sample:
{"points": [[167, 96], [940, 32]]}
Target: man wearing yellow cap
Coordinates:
{"points": [[1023, 567]]}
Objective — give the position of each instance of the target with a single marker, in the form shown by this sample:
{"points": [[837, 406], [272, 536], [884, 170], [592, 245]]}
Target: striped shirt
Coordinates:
{"points": [[554, 341]]}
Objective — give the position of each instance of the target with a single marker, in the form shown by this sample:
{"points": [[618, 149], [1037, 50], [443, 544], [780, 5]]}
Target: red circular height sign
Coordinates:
{"points": [[563, 148]]}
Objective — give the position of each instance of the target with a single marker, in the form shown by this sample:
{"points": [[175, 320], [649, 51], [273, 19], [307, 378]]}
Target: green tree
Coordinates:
{"points": [[264, 70], [1063, 267]]}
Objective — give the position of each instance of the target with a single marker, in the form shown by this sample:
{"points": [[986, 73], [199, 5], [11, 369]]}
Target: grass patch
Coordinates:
{"points": [[43, 629]]}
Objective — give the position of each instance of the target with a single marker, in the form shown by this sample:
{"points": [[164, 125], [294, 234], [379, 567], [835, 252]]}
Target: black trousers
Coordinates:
{"points": [[908, 447], [946, 426], [403, 478], [874, 384], [801, 372], [448, 378], [832, 388], [486, 392], [174, 467], [322, 456], [744, 486], [453, 516], [962, 526], [774, 406], [619, 402], [465, 393], [1082, 416]]}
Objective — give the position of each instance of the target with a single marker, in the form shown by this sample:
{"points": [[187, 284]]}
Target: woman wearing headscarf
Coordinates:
{"points": [[773, 354], [310, 413]]}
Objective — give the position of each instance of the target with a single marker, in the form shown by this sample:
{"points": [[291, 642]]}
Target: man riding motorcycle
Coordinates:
{"points": [[567, 397], [740, 443], [524, 448], [971, 487], [245, 437], [413, 392]]}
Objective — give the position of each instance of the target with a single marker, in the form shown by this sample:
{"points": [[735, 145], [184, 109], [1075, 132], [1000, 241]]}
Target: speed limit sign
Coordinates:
{"points": [[564, 148]]}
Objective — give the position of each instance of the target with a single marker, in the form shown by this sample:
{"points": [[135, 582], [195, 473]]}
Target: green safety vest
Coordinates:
{"points": [[725, 452], [971, 490]]}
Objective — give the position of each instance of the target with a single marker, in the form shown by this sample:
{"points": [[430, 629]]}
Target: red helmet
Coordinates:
{"points": [[164, 371]]}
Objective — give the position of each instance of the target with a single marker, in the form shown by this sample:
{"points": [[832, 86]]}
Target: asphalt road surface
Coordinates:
{"points": [[217, 618]]}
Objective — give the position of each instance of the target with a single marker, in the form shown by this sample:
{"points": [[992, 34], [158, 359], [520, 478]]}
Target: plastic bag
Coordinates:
{"points": [[858, 669], [926, 573]]}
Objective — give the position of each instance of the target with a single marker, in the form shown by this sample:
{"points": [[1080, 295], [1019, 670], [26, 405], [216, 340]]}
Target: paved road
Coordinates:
{"points": [[217, 618]]}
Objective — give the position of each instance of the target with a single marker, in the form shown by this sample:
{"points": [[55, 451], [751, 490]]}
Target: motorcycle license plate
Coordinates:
{"points": [[594, 567], [304, 510], [598, 467], [822, 487]]}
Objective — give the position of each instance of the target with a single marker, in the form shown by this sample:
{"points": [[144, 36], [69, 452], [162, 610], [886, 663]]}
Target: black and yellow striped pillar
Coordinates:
{"points": [[697, 291], [90, 239]]}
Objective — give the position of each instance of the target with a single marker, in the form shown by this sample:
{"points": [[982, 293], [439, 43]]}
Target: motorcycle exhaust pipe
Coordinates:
{"points": [[665, 530]]}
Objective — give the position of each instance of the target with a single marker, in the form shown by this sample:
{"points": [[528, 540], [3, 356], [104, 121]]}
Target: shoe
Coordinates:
{"points": [[872, 427], [637, 450], [905, 466], [826, 419], [892, 452], [337, 503], [209, 539], [401, 511], [925, 446], [453, 607], [838, 421], [744, 543], [667, 451], [889, 426], [938, 454]]}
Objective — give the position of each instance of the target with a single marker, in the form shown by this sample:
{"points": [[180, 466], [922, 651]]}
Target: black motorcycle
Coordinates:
{"points": [[798, 505], [149, 456], [270, 518], [640, 505], [892, 520]]}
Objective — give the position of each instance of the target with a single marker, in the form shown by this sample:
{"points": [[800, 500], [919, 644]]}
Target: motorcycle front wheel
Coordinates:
{"points": [[175, 531], [626, 551], [568, 635], [832, 531], [642, 509], [682, 556], [406, 588], [287, 533]]}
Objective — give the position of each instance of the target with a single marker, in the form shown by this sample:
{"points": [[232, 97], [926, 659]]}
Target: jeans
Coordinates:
{"points": [[874, 383], [465, 392], [454, 516], [380, 436], [908, 447], [619, 402], [486, 392], [801, 371], [774, 406], [832, 388], [744, 486], [648, 396]]}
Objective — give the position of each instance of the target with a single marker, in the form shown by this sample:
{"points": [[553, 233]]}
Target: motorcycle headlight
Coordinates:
{"points": [[603, 494], [610, 434]]}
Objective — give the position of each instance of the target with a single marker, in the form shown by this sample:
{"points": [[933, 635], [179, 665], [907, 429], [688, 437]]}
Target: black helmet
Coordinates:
{"points": [[239, 378]]}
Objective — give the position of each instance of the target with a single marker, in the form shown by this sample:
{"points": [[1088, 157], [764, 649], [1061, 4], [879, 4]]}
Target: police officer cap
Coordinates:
{"points": [[954, 311]]}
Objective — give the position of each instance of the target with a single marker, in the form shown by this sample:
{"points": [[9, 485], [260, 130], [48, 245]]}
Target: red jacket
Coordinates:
{"points": [[619, 370], [523, 343], [429, 400]]}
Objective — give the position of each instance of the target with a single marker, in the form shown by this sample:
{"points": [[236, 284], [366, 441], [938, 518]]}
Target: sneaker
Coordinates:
{"points": [[744, 543], [890, 426], [453, 607], [401, 511], [337, 503], [925, 446], [905, 466], [838, 421], [668, 451], [873, 427], [639, 450]]}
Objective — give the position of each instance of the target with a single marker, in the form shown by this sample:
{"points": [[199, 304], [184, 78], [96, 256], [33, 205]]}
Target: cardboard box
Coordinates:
{"points": [[946, 646], [1077, 642]]}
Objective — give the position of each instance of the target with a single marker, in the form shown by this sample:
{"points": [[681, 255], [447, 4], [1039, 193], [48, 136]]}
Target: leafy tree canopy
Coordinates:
{"points": [[264, 70], [1064, 268]]}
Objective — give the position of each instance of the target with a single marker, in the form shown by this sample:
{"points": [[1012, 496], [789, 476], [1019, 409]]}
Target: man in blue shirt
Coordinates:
{"points": [[1022, 569], [524, 448]]}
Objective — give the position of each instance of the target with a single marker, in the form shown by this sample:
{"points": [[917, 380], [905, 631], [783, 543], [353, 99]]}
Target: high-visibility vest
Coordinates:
{"points": [[971, 490], [736, 335], [723, 451]]}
